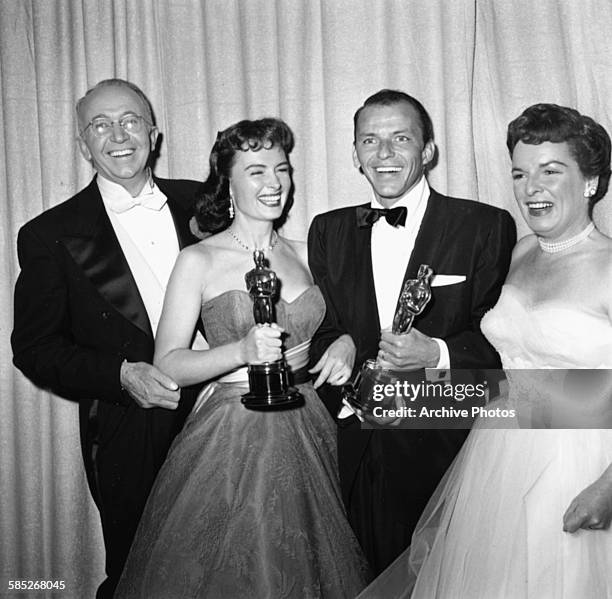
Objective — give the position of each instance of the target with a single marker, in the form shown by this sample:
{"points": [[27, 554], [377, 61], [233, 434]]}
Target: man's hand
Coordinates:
{"points": [[591, 509], [408, 352], [336, 364], [149, 386]]}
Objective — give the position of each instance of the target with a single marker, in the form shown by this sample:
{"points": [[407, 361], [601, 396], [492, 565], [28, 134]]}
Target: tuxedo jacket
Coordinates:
{"points": [[79, 314], [456, 237]]}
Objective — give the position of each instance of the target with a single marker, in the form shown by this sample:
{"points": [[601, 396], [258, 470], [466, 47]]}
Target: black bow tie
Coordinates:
{"points": [[367, 216]]}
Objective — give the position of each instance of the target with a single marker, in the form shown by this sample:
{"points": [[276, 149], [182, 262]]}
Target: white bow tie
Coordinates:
{"points": [[150, 198]]}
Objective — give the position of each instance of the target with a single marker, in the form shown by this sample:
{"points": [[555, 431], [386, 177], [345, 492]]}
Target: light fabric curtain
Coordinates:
{"points": [[205, 64], [530, 51]]}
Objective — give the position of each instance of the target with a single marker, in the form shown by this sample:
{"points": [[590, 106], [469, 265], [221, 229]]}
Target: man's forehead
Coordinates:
{"points": [[110, 100], [397, 116]]}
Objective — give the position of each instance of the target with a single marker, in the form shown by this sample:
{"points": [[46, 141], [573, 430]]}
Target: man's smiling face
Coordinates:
{"points": [[118, 155], [389, 149]]}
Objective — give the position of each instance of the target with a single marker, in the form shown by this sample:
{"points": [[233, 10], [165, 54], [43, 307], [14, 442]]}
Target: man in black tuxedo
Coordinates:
{"points": [[359, 257], [87, 301]]}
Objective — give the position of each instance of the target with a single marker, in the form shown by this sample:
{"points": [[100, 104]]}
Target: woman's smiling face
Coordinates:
{"points": [[260, 182], [550, 189]]}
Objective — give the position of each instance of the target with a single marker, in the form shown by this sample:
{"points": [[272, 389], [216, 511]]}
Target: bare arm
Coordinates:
{"points": [[181, 311], [592, 508]]}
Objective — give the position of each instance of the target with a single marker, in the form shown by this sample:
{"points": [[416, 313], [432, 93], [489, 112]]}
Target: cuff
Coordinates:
{"points": [[444, 361]]}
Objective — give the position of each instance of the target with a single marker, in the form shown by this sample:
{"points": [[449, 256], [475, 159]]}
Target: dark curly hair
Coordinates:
{"points": [[212, 206], [588, 141]]}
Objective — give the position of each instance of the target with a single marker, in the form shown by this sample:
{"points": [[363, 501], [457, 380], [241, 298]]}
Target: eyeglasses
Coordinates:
{"points": [[130, 123]]}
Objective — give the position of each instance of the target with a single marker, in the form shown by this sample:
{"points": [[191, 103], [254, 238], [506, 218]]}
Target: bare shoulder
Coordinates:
{"points": [[196, 257], [299, 248], [603, 257], [523, 246], [216, 241], [598, 271]]}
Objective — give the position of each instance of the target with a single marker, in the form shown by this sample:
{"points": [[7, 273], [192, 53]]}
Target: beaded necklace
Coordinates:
{"points": [[244, 246], [553, 247]]}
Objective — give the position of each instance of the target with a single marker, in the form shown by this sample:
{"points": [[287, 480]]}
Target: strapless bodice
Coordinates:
{"points": [[248, 502], [550, 334], [229, 316]]}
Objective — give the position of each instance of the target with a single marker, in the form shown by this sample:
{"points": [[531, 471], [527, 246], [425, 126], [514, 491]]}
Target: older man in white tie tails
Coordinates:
{"points": [[87, 301]]}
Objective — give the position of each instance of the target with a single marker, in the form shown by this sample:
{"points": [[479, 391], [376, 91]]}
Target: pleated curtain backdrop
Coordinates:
{"points": [[205, 64]]}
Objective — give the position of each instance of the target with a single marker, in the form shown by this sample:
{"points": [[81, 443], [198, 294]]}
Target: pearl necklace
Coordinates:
{"points": [[553, 247], [244, 246]]}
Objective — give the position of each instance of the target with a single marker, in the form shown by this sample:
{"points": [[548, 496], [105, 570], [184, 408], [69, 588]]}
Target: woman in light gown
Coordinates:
{"points": [[247, 503], [526, 513]]}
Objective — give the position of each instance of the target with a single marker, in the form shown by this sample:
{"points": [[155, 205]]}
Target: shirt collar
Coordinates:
{"points": [[118, 199], [411, 199]]}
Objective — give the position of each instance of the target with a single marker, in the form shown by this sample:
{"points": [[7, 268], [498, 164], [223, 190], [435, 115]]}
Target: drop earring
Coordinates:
{"points": [[231, 207]]}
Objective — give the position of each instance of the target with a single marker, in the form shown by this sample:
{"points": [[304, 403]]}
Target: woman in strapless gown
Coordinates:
{"points": [[525, 512], [248, 502]]}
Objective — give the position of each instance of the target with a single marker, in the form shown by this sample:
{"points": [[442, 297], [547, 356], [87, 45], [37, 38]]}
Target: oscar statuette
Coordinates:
{"points": [[415, 295], [269, 385]]}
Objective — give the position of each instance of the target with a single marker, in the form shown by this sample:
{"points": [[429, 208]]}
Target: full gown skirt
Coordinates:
{"points": [[494, 527], [248, 503]]}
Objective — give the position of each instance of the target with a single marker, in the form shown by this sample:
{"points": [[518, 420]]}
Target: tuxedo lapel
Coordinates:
{"points": [[361, 280], [179, 215], [433, 242], [94, 247], [428, 241]]}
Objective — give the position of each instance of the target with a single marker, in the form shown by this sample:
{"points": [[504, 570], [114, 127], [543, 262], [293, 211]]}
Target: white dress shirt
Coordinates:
{"points": [[147, 237], [391, 251]]}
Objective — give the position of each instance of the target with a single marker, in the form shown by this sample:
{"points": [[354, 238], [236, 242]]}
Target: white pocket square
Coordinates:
{"points": [[442, 280]]}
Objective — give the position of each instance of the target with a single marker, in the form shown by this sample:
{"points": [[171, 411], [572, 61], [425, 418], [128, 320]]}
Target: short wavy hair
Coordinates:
{"points": [[389, 97], [588, 141], [212, 206]]}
